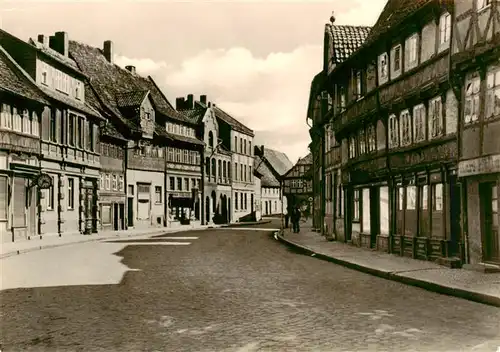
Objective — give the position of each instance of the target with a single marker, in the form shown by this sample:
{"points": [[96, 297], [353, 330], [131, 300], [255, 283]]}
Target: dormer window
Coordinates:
{"points": [[44, 77], [444, 28], [78, 91]]}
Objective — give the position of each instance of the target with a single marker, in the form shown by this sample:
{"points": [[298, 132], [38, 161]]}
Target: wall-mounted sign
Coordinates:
{"points": [[485, 165], [44, 181]]}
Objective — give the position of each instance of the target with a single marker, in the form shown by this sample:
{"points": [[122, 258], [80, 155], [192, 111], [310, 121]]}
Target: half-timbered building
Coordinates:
{"points": [[163, 155], [297, 184], [399, 131], [476, 78], [21, 106], [69, 134]]}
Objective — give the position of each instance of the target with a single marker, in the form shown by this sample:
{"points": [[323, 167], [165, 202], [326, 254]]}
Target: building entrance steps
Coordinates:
{"points": [[14, 248], [467, 284]]}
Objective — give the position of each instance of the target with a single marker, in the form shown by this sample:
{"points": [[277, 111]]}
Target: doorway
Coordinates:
{"points": [[374, 216], [455, 217], [130, 211], [488, 193], [115, 217]]}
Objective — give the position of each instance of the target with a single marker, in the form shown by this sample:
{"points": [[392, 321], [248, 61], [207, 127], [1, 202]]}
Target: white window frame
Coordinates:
{"points": [[383, 63], [71, 193], [472, 99], [444, 28], [398, 57], [393, 131], [405, 124], [435, 118], [412, 43], [362, 141], [108, 182], [492, 110], [419, 123]]}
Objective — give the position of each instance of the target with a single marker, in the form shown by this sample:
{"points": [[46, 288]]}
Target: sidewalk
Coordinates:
{"points": [[14, 248], [471, 285]]}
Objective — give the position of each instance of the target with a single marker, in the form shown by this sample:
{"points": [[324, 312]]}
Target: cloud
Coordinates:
{"points": [[268, 94], [143, 66]]}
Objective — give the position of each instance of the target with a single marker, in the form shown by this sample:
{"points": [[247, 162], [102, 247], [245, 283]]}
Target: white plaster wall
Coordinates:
{"points": [[156, 210]]}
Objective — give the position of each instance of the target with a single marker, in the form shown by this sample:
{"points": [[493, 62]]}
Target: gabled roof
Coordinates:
{"points": [[13, 79], [278, 161], [110, 80], [307, 160], [394, 12], [231, 121], [196, 114], [268, 179], [131, 99], [345, 40]]}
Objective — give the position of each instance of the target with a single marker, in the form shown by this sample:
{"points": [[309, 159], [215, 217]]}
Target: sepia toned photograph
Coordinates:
{"points": [[250, 175]]}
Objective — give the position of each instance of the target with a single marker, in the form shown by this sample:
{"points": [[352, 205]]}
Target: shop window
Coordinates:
{"points": [[366, 211], [437, 210], [493, 94], [400, 205], [384, 210], [423, 200]]}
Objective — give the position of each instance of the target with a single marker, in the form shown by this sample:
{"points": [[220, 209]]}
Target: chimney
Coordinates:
{"points": [[61, 43], [108, 50], [43, 39], [203, 99], [189, 102], [130, 69], [209, 104], [179, 103]]}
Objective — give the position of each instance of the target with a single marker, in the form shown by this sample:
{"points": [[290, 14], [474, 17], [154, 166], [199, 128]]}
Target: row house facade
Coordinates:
{"points": [[21, 108], [69, 135], [217, 170], [395, 113], [162, 156], [475, 74], [272, 165]]}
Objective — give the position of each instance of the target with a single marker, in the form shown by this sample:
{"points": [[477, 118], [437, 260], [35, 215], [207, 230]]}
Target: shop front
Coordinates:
{"points": [[480, 178], [184, 207]]}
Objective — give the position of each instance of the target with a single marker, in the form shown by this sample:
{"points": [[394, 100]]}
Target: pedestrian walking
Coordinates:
{"points": [[296, 219]]}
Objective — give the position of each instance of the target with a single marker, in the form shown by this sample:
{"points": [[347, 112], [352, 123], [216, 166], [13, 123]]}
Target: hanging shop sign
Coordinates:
{"points": [[43, 181]]}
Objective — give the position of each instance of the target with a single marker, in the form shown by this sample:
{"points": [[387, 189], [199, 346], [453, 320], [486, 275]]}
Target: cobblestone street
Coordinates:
{"points": [[238, 290]]}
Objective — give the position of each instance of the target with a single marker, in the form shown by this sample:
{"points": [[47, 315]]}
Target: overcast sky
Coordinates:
{"points": [[256, 60]]}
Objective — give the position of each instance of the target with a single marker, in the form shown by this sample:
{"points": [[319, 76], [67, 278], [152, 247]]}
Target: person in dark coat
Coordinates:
{"points": [[287, 217], [296, 219]]}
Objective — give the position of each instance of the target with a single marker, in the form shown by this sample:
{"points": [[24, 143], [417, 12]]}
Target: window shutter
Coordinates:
{"points": [[46, 123]]}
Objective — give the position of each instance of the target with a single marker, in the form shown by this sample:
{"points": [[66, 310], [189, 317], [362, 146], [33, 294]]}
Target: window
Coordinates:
{"points": [[120, 183], [78, 90], [444, 28], [211, 139], [241, 145], [17, 120], [356, 207], [362, 142], [26, 122], [250, 152], [371, 137], [492, 94], [393, 132], [244, 146], [250, 174], [91, 137], [35, 124], [383, 62], [396, 60], [178, 155], [71, 129], [6, 116], [236, 200], [241, 202], [71, 193], [419, 123], [108, 182], [235, 171], [241, 173], [53, 128], [50, 196], [214, 166], [411, 198], [171, 183], [358, 93], [179, 183], [412, 50], [435, 118], [472, 99], [481, 4], [44, 74], [79, 131], [405, 124], [245, 203], [219, 164], [235, 144], [158, 195], [437, 197], [186, 184], [352, 147], [193, 183], [115, 183]]}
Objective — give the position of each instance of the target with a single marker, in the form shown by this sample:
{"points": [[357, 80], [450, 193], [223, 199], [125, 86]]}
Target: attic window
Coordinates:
{"points": [[147, 114], [44, 77]]}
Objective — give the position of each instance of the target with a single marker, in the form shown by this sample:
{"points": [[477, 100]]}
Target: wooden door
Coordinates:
{"points": [[488, 193]]}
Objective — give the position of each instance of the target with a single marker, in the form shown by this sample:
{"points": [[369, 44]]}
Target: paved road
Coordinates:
{"points": [[227, 290]]}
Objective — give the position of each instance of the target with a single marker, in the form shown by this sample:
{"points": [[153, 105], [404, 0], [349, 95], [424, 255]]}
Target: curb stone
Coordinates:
{"points": [[429, 286], [238, 224], [96, 239]]}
